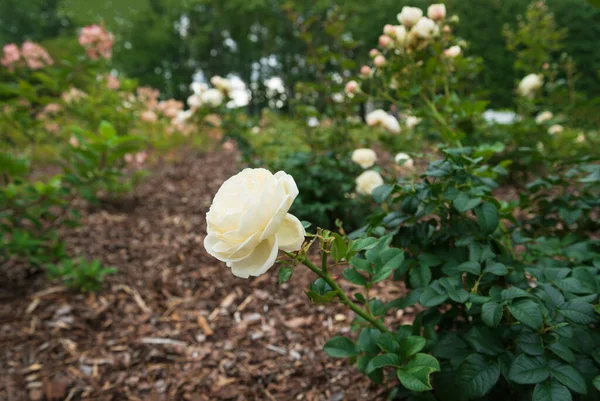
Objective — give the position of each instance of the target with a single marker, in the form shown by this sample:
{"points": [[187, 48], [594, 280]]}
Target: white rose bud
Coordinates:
{"points": [[385, 41], [379, 118], [248, 221], [453, 52], [367, 182], [543, 117], [351, 87], [530, 84], [389, 29], [425, 28], [379, 61], [409, 16], [436, 12], [405, 160], [555, 129], [364, 157]]}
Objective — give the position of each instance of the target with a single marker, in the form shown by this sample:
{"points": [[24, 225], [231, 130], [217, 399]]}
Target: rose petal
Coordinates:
{"points": [[291, 234], [258, 262]]}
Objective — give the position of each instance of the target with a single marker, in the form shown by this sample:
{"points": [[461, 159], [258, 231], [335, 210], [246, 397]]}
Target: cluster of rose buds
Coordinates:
{"points": [[97, 41], [205, 96], [148, 96], [30, 55], [169, 108]]}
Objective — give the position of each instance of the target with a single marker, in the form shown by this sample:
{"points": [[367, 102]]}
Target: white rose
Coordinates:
{"points": [[543, 117], [409, 16], [194, 101], [406, 159], [400, 35], [248, 221], [381, 118], [412, 121], [530, 84], [425, 28], [221, 84], [555, 129], [212, 97], [436, 12], [453, 51], [367, 182], [364, 157], [198, 87]]}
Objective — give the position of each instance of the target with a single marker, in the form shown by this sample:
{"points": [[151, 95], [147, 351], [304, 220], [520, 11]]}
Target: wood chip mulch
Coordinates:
{"points": [[174, 323]]}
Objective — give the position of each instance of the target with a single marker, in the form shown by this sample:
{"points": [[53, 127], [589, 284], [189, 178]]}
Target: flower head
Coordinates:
{"points": [[556, 129], [404, 160], [364, 157], [379, 118], [97, 41], [543, 117], [10, 55], [453, 52], [409, 16], [425, 28], [530, 84], [367, 182], [35, 56], [436, 12]]}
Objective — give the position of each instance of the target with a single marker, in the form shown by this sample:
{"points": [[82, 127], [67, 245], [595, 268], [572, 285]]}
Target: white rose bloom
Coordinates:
{"points": [[182, 116], [555, 129], [453, 51], [248, 221], [409, 16], [212, 97], [364, 157], [406, 159], [194, 101], [411, 121], [381, 118], [313, 122], [400, 35], [543, 117], [221, 84], [436, 12], [198, 87], [530, 84], [425, 28], [580, 138], [367, 182]]}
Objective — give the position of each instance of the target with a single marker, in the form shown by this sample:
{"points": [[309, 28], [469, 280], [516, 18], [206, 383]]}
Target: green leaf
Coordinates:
{"points": [[528, 313], [411, 345], [530, 343], [528, 370], [388, 261], [476, 376], [388, 343], [487, 217], [551, 391], [497, 269], [423, 361], [353, 276], [319, 299], [339, 248], [285, 273], [415, 379], [463, 202], [433, 295], [361, 264], [341, 347], [513, 293], [419, 276], [107, 131], [383, 360], [491, 313], [470, 267], [562, 351], [578, 312], [362, 244], [568, 376], [596, 382], [382, 192]]}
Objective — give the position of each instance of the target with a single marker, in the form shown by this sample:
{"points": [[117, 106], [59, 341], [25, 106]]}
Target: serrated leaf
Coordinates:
{"points": [[578, 312], [463, 202], [411, 345], [383, 360], [487, 217], [514, 293], [476, 376], [470, 267], [528, 313], [388, 343], [568, 376], [433, 296], [497, 269], [551, 391], [491, 313], [338, 248], [416, 379], [528, 370], [340, 347], [353, 276], [285, 273]]}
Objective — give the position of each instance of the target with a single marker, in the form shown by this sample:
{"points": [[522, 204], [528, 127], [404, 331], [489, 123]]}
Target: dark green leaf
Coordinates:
{"points": [[476, 376], [470, 267], [528, 370], [491, 313], [551, 391], [568, 376], [353, 276], [411, 345], [341, 347], [527, 312], [285, 273], [487, 217], [339, 248], [383, 360]]}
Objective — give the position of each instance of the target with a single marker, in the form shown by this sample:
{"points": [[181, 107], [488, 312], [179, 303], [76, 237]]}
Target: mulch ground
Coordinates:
{"points": [[174, 323]]}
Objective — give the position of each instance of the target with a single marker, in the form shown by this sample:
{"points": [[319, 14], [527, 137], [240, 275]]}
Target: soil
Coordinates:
{"points": [[173, 323]]}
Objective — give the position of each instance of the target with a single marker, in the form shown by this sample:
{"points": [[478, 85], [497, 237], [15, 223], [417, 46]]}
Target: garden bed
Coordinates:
{"points": [[173, 323]]}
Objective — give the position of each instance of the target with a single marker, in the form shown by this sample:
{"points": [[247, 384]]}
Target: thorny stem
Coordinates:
{"points": [[342, 296]]}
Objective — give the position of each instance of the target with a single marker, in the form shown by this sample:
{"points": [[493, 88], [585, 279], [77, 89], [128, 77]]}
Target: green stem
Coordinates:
{"points": [[343, 298]]}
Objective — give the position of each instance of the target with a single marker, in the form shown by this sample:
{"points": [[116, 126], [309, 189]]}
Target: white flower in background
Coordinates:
{"points": [[182, 116], [148, 116], [530, 84], [213, 97], [555, 129], [194, 101], [351, 87], [255, 130], [222, 84], [364, 157], [379, 61], [379, 118], [400, 35], [543, 117], [367, 182], [198, 87], [337, 97], [409, 16], [405, 160], [425, 28], [313, 122], [389, 29], [248, 221], [580, 138], [436, 12], [453, 51], [73, 141], [411, 121]]}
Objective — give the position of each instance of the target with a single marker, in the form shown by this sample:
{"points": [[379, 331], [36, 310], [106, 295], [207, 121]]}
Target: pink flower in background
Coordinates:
{"points": [[148, 116], [137, 159], [365, 71], [73, 95], [97, 41], [10, 55], [35, 56], [73, 141], [148, 96], [112, 82], [52, 108], [170, 108]]}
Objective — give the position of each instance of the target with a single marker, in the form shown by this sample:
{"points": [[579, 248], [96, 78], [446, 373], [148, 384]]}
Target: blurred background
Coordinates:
{"points": [[264, 45]]}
